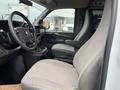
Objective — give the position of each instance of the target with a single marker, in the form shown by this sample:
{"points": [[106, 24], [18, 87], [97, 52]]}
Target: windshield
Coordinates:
{"points": [[8, 6]]}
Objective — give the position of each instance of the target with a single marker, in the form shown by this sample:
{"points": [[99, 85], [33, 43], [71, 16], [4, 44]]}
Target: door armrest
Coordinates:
{"points": [[73, 43]]}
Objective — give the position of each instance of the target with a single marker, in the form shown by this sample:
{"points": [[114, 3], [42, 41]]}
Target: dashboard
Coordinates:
{"points": [[8, 47], [6, 39], [6, 43]]}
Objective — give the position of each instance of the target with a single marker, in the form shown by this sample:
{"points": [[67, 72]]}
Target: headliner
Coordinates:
{"points": [[59, 4]]}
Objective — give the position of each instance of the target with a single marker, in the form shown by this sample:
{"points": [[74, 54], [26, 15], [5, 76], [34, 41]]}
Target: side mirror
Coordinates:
{"points": [[46, 24]]}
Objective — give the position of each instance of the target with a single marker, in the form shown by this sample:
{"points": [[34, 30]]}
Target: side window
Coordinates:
{"points": [[61, 20]]}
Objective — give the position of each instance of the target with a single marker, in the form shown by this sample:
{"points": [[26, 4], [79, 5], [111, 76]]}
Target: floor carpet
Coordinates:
{"points": [[10, 87]]}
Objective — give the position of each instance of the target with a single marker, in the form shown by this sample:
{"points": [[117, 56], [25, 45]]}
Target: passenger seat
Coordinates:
{"points": [[68, 50]]}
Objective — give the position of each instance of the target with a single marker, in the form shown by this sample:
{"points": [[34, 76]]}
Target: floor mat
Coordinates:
{"points": [[10, 87]]}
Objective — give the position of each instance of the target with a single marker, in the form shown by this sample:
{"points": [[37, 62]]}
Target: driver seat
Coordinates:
{"points": [[52, 74]]}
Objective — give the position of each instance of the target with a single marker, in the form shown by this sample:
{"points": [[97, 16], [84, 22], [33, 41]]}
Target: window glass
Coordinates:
{"points": [[8, 6], [61, 20]]}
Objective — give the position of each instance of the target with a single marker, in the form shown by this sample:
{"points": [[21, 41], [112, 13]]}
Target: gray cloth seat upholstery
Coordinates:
{"points": [[65, 78], [67, 50], [51, 74]]}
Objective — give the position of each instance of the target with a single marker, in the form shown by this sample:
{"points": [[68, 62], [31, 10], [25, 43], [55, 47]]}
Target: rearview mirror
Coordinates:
{"points": [[27, 2]]}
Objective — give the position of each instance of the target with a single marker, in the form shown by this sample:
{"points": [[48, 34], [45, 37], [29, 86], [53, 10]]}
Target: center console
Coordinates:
{"points": [[31, 57]]}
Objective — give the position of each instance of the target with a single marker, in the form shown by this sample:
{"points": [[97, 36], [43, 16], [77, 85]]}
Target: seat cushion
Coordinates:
{"points": [[62, 50], [50, 75]]}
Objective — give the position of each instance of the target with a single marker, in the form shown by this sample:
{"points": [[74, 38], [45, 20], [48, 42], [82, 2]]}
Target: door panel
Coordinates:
{"points": [[58, 37], [51, 38], [59, 26], [64, 35]]}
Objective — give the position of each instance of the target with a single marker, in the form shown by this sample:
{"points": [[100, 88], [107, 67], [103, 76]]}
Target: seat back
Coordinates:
{"points": [[87, 30], [87, 60]]}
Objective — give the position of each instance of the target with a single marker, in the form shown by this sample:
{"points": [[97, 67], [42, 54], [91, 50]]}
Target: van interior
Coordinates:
{"points": [[53, 44]]}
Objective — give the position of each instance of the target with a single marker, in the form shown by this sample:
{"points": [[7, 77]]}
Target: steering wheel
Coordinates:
{"points": [[24, 36]]}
